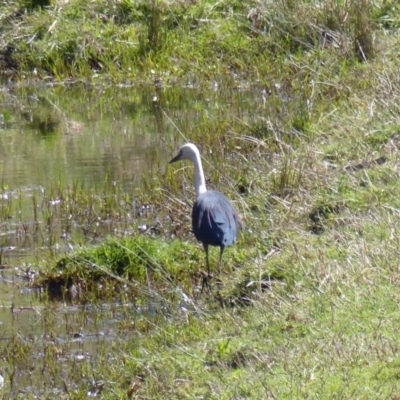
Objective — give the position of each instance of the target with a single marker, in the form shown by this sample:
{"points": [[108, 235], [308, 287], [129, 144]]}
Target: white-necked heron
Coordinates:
{"points": [[214, 220]]}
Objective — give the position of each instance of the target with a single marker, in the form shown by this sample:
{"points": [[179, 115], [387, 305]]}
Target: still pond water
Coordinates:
{"points": [[55, 142]]}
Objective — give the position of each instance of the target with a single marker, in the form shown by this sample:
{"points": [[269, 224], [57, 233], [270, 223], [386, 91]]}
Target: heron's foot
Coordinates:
{"points": [[206, 281], [219, 283]]}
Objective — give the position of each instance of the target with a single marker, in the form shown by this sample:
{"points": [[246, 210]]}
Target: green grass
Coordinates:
{"points": [[176, 38], [333, 335], [132, 259]]}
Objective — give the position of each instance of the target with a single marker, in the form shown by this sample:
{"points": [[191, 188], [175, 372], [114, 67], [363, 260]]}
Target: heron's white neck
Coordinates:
{"points": [[199, 180]]}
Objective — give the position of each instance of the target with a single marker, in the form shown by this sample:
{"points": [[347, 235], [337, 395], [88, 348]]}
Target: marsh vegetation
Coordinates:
{"points": [[295, 106]]}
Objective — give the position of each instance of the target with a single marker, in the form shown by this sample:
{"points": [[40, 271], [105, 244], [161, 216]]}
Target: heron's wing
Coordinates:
{"points": [[218, 215], [214, 219]]}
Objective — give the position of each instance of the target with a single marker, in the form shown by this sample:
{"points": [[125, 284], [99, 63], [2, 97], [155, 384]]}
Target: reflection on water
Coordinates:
{"points": [[50, 136], [68, 137]]}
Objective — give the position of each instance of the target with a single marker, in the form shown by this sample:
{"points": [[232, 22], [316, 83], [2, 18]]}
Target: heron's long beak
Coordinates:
{"points": [[176, 158]]}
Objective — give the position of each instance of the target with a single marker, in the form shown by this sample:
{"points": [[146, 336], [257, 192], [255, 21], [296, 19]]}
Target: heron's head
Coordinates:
{"points": [[187, 152]]}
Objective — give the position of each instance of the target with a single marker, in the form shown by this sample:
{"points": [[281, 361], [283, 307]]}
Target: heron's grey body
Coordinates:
{"points": [[214, 220]]}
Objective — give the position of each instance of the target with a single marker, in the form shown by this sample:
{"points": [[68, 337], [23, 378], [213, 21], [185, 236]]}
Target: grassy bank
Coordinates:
{"points": [[161, 40], [309, 302]]}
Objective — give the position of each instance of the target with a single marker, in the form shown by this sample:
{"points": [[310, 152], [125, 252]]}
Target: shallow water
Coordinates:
{"points": [[44, 344], [67, 137]]}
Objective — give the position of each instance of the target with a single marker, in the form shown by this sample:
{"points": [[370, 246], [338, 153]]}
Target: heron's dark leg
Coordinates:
{"points": [[206, 278], [208, 263], [220, 258]]}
